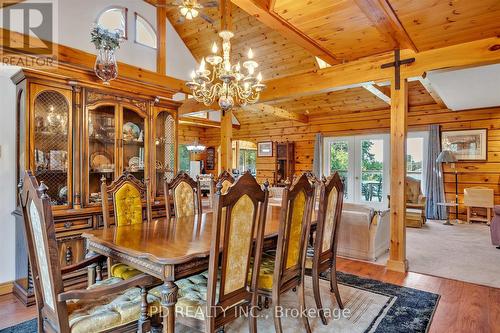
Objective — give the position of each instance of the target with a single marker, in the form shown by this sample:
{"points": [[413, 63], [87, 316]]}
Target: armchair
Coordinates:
{"points": [[111, 305], [415, 203]]}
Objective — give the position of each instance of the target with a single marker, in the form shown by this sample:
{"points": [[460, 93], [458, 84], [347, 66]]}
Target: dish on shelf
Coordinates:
{"points": [[131, 132], [100, 160]]}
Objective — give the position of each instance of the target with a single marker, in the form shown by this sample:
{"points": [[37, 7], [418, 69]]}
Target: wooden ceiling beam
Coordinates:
{"points": [[161, 34], [384, 93], [430, 89], [387, 23], [273, 21], [480, 52], [191, 105], [277, 112], [71, 57], [200, 122]]}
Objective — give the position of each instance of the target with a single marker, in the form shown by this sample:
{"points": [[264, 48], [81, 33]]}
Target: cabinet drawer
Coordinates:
{"points": [[73, 224]]}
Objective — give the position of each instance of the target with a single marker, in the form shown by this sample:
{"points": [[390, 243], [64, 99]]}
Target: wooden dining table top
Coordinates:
{"points": [[169, 242]]}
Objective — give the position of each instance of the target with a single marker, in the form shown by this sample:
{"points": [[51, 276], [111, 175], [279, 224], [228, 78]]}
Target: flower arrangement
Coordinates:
{"points": [[103, 39]]}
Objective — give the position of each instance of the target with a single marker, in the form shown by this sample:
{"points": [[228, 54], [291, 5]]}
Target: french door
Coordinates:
{"points": [[363, 164]]}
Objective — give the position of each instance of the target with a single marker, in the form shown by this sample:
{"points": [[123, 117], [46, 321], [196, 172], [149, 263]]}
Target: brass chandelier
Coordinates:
{"points": [[226, 82]]}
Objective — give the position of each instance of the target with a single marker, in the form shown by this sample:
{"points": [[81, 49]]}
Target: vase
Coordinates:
{"points": [[105, 66]]}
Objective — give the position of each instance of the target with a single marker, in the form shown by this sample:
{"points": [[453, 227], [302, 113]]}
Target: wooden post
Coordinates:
{"points": [[226, 148], [161, 33], [399, 112], [226, 16]]}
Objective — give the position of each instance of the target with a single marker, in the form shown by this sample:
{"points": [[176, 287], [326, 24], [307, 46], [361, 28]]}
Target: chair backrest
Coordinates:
{"points": [[127, 193], [413, 189], [295, 218], [328, 220], [43, 253], [226, 179], [186, 195], [239, 219]]}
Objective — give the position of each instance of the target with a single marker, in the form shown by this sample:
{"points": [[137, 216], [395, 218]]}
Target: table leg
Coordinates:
{"points": [[168, 301]]}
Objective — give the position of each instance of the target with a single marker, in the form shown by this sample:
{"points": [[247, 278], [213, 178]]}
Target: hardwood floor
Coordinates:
{"points": [[463, 307]]}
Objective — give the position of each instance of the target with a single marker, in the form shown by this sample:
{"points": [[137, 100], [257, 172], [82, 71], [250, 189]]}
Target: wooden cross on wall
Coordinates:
{"points": [[397, 66]]}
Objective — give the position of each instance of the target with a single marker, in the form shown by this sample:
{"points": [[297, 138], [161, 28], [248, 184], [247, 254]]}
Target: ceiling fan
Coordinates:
{"points": [[190, 9]]}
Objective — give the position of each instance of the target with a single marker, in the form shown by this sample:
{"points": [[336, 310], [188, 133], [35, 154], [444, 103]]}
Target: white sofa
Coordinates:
{"points": [[364, 233]]}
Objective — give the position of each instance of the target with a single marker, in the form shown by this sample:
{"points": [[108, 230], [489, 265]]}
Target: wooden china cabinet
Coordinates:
{"points": [[71, 134]]}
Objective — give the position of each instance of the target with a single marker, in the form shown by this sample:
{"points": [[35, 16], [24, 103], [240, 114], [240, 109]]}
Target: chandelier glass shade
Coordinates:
{"points": [[225, 82], [189, 12]]}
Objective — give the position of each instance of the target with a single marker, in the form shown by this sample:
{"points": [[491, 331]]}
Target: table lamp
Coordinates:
{"points": [[447, 156]]}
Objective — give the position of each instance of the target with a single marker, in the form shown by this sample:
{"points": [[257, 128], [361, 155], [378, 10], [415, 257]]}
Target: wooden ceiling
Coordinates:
{"points": [[339, 102], [285, 35]]}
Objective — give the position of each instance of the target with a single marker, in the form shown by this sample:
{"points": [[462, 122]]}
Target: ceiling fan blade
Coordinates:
{"points": [[207, 18]]}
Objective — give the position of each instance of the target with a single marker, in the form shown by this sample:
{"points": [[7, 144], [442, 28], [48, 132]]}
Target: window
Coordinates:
{"points": [[363, 163], [247, 160], [114, 19], [322, 64], [184, 158], [144, 32]]}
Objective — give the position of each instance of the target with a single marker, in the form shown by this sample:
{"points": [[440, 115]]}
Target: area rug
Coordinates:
{"points": [[370, 306], [461, 252]]}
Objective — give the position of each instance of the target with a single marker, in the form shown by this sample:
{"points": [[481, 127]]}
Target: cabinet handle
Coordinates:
{"points": [[68, 225]]}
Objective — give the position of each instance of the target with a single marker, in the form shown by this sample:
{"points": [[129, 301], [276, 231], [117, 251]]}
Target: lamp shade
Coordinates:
{"points": [[446, 156]]}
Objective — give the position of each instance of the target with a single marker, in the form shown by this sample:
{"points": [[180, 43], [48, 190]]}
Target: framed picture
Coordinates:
{"points": [[468, 145], [265, 149]]}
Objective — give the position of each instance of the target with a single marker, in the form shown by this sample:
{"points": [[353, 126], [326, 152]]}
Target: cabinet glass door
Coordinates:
{"points": [[133, 138], [51, 160], [101, 133], [165, 150]]}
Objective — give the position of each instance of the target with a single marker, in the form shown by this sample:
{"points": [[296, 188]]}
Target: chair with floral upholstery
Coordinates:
{"points": [[322, 256], [283, 269], [113, 305], [186, 195], [127, 194], [210, 300]]}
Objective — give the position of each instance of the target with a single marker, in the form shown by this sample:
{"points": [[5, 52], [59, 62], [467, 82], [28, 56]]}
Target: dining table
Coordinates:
{"points": [[168, 249]]}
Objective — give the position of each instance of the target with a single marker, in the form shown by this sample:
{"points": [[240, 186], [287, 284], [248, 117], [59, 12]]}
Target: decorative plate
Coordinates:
{"points": [[134, 162], [99, 159], [131, 131]]}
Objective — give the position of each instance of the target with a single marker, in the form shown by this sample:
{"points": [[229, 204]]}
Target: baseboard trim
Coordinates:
{"points": [[6, 288]]}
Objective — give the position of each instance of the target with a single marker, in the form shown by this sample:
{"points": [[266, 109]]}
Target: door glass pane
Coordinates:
{"points": [[51, 144], [339, 161], [133, 143], [247, 161], [414, 158], [101, 132], [165, 150], [184, 158], [372, 170]]}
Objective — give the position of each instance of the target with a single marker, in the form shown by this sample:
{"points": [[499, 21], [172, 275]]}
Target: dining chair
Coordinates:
{"points": [[126, 194], [283, 269], [210, 300], [322, 256], [185, 193], [113, 305], [227, 180]]}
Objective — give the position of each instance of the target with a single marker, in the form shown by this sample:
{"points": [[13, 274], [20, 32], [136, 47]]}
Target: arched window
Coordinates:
{"points": [[114, 18], [144, 32]]}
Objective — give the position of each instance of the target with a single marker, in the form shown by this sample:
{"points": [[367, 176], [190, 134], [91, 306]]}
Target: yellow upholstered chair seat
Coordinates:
{"points": [[128, 205], [184, 200], [191, 296], [266, 271], [108, 312], [123, 271], [309, 257]]}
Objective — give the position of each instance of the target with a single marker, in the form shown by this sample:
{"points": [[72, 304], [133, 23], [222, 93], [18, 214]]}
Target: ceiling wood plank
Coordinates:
{"points": [[277, 112], [430, 89], [386, 21], [480, 52], [381, 92], [276, 23]]}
